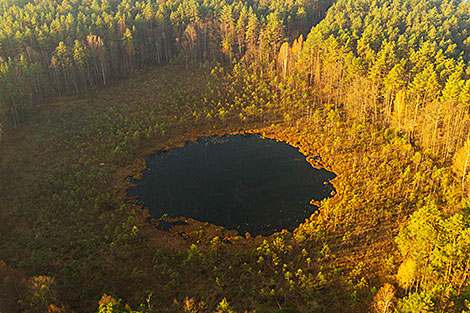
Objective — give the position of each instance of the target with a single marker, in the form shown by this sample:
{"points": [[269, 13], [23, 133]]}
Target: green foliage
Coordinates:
{"points": [[436, 250], [64, 47], [380, 90], [108, 304], [416, 302], [194, 255], [393, 62], [224, 307]]}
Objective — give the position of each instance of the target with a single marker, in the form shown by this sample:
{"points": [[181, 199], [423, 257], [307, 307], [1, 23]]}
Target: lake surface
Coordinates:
{"points": [[241, 182]]}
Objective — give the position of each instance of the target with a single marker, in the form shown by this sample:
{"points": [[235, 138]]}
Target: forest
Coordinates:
{"points": [[380, 89]]}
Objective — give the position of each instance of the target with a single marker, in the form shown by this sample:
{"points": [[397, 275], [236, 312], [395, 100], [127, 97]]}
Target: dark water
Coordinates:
{"points": [[241, 182]]}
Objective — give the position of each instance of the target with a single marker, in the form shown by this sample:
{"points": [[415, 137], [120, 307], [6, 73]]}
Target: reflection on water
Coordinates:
{"points": [[241, 182]]}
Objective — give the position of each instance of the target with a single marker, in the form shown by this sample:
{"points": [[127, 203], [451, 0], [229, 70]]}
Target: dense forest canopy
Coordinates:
{"points": [[380, 89], [52, 48], [412, 58]]}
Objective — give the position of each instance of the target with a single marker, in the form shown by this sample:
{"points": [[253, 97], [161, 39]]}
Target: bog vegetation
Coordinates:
{"points": [[379, 89]]}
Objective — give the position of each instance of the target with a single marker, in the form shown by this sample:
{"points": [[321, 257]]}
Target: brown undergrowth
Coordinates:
{"points": [[64, 203]]}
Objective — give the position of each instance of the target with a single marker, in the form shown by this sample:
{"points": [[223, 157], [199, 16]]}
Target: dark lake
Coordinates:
{"points": [[241, 182]]}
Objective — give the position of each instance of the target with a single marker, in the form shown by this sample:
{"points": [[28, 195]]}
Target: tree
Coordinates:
{"points": [[461, 164], [228, 30], [416, 303], [62, 60], [251, 36], [80, 60], [96, 47], [283, 58], [416, 242], [271, 37], [224, 307], [406, 275], [129, 48], [241, 30], [394, 82], [426, 88], [384, 300]]}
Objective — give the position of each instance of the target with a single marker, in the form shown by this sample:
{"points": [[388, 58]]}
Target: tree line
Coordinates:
{"points": [[404, 65], [400, 64], [56, 48]]}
